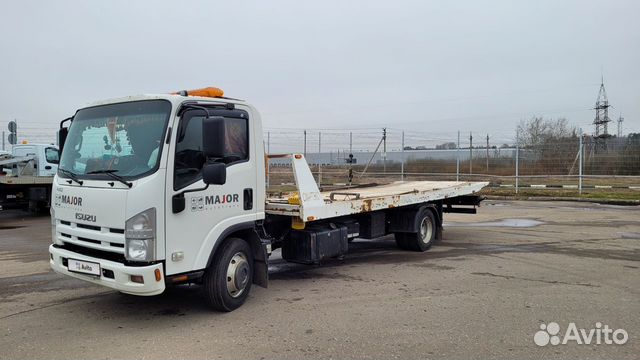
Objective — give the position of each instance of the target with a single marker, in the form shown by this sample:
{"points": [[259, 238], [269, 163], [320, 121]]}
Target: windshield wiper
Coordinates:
{"points": [[111, 173], [71, 176]]}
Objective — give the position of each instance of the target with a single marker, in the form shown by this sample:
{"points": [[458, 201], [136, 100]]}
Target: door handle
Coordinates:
{"points": [[47, 167], [247, 198]]}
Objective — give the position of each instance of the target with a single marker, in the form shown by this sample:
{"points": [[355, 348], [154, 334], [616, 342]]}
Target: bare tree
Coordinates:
{"points": [[551, 145], [537, 131]]}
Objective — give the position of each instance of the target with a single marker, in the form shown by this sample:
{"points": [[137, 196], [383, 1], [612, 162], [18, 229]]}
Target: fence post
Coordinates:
{"points": [[487, 154], [402, 160], [350, 177], [319, 159], [580, 165], [458, 158], [517, 164], [305, 144], [384, 150], [470, 153]]}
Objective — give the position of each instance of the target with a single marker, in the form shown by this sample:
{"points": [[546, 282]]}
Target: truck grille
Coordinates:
{"points": [[91, 236], [99, 254]]}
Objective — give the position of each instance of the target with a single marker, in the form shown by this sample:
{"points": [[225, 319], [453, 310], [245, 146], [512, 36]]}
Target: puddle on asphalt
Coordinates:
{"points": [[497, 204], [629, 235], [518, 223]]}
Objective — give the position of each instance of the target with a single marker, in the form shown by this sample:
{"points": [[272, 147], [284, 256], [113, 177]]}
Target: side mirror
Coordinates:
{"points": [[213, 137], [62, 137], [214, 174]]}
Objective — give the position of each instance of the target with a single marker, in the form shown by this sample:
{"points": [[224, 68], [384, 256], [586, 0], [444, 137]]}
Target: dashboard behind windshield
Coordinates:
{"points": [[124, 138]]}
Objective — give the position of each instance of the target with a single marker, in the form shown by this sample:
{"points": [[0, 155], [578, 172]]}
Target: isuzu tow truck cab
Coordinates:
{"points": [[155, 190]]}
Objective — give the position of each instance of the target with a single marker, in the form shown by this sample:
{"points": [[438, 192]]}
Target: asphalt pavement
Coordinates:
{"points": [[485, 291]]}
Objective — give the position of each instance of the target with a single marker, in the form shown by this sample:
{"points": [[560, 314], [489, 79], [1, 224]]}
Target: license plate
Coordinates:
{"points": [[84, 267]]}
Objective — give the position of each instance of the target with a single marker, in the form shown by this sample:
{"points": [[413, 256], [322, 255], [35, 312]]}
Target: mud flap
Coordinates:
{"points": [[260, 273], [261, 265], [439, 233]]}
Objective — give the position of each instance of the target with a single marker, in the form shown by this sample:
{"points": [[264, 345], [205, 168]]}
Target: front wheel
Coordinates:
{"points": [[228, 279]]}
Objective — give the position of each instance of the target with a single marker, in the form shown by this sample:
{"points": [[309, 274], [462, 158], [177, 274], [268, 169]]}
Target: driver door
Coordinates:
{"points": [[192, 233]]}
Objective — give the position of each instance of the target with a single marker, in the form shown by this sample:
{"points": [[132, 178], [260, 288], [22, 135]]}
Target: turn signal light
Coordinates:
{"points": [[205, 92], [158, 275]]}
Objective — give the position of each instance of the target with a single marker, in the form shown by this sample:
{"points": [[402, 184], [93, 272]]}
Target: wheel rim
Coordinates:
{"points": [[237, 274], [426, 230]]}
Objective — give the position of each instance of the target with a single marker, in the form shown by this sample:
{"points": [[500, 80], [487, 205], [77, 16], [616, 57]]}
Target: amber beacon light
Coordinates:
{"points": [[205, 92]]}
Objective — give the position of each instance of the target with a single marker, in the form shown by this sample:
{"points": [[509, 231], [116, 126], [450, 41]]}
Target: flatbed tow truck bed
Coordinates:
{"points": [[312, 205], [26, 180], [8, 161]]}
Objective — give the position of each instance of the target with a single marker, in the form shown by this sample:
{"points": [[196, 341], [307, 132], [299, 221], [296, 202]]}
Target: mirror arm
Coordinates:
{"points": [[192, 190], [65, 120], [193, 106]]}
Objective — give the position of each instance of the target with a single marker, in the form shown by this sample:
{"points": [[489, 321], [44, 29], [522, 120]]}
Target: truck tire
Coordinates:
{"points": [[227, 281], [426, 235]]}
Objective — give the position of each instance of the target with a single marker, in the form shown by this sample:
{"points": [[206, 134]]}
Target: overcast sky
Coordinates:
{"points": [[429, 67]]}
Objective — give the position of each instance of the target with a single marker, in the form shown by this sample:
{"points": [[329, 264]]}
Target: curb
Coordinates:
{"points": [[542, 186], [574, 199]]}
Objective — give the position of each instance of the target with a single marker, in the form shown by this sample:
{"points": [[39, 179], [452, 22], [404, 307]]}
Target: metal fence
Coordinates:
{"points": [[574, 164], [385, 155]]}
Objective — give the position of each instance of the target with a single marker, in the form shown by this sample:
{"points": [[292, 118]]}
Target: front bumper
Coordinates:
{"points": [[121, 280]]}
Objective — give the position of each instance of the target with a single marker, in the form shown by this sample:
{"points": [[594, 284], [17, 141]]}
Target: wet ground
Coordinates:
{"points": [[482, 292]]}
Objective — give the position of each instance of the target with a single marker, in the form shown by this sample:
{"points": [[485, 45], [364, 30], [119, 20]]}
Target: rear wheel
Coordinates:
{"points": [[426, 235], [228, 279]]}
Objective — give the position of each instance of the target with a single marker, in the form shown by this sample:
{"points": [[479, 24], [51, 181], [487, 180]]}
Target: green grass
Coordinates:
{"points": [[595, 194]]}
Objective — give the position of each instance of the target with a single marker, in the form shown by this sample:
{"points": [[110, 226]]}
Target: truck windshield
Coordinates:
{"points": [[125, 138]]}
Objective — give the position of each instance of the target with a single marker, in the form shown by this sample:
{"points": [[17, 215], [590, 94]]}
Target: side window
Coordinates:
{"points": [[237, 140], [52, 155], [189, 158]]}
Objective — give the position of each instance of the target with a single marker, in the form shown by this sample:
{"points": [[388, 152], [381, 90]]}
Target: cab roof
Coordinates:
{"points": [[207, 94], [173, 98]]}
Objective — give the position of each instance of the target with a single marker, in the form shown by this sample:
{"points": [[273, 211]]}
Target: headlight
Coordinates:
{"points": [[140, 237]]}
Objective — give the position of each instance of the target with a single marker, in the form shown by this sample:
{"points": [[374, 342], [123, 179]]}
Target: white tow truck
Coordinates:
{"points": [[26, 175], [157, 190]]}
